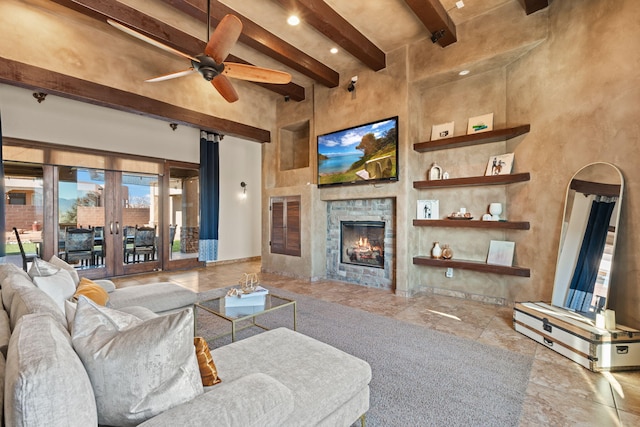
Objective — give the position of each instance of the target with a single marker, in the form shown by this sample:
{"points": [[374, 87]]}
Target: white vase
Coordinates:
{"points": [[436, 251], [495, 209]]}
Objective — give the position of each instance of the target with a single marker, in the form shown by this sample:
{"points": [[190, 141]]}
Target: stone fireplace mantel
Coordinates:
{"points": [[369, 210]]}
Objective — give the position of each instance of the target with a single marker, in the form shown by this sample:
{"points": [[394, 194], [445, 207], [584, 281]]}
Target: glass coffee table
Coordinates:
{"points": [[238, 314]]}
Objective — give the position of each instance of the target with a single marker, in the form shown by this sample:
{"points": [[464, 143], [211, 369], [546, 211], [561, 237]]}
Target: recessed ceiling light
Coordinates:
{"points": [[464, 72], [334, 50], [293, 20]]}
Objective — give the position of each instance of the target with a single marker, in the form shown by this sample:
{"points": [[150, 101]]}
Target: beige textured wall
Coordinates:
{"points": [[571, 71], [47, 35], [581, 92]]}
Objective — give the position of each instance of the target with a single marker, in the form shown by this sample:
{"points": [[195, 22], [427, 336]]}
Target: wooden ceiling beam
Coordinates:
{"points": [[531, 6], [263, 41], [39, 79], [327, 21], [436, 19], [164, 33]]}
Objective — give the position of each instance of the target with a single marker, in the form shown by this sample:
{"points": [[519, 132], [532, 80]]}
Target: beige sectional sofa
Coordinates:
{"points": [[56, 371]]}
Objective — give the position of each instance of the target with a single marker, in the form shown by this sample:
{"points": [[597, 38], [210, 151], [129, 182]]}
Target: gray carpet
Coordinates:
{"points": [[421, 377]]}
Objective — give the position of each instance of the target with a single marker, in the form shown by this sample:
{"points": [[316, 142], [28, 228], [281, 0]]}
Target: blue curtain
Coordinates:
{"points": [[3, 248], [595, 237], [209, 196]]}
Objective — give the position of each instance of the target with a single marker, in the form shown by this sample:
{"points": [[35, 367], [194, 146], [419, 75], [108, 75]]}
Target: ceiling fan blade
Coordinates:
{"points": [[255, 74], [171, 76], [149, 40], [226, 89], [223, 38]]}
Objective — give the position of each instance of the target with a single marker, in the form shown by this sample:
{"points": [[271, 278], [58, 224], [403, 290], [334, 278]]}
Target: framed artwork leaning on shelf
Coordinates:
{"points": [[444, 130], [477, 124], [501, 253], [428, 209], [500, 165]]}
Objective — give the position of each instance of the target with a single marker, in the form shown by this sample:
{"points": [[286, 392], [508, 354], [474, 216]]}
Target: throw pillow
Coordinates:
{"points": [[58, 286], [61, 264], [41, 268], [91, 290], [137, 369], [208, 370]]}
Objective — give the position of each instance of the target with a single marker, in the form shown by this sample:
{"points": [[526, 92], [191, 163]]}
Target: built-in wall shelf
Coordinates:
{"points": [[504, 225], [472, 265], [474, 181], [473, 139]]}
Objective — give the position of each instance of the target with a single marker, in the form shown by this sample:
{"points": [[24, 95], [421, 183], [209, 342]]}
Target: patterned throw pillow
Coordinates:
{"points": [[91, 290], [208, 370]]}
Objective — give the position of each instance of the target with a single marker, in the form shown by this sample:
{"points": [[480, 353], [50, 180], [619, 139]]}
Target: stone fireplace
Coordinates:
{"points": [[361, 241]]}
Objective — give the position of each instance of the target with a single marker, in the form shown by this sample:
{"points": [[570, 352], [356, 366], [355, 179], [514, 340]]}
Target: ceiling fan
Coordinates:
{"points": [[210, 64]]}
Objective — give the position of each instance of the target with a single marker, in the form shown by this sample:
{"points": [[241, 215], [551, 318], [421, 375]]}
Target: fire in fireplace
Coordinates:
{"points": [[362, 243]]}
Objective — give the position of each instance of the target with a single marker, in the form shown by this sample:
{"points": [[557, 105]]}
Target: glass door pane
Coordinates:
{"points": [[140, 219], [81, 217], [184, 213], [23, 209]]}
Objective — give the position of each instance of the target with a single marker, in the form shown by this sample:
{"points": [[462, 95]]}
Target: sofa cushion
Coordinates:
{"points": [[5, 333], [254, 400], [321, 377], [106, 284], [59, 286], [7, 269], [93, 291], [157, 297], [11, 278], [3, 367], [57, 262], [138, 369], [29, 300], [45, 382]]}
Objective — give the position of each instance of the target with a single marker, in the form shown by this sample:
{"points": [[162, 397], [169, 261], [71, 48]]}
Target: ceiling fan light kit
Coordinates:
{"points": [[210, 64]]}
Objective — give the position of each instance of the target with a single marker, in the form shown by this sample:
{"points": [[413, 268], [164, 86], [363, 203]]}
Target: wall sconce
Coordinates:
{"points": [[39, 96], [244, 189], [352, 84]]}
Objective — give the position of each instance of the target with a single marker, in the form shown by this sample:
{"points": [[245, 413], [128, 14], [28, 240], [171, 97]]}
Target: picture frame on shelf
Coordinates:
{"points": [[442, 131], [428, 209], [500, 165], [477, 124], [501, 253]]}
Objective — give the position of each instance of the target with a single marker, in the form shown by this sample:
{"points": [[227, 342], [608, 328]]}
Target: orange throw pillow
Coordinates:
{"points": [[91, 290], [208, 370]]}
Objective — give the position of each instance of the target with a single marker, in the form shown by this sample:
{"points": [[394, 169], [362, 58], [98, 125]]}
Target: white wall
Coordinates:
{"points": [[63, 121]]}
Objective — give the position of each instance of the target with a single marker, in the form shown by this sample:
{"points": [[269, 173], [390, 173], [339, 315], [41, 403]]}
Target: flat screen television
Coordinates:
{"points": [[363, 154]]}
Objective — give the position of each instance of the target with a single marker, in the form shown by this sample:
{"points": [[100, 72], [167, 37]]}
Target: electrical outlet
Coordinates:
{"points": [[460, 4], [449, 273]]}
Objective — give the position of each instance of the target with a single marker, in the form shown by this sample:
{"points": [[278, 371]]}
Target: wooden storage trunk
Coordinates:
{"points": [[575, 337]]}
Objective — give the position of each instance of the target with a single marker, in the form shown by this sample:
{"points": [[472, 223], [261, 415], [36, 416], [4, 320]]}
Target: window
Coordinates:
{"points": [[285, 225], [17, 198]]}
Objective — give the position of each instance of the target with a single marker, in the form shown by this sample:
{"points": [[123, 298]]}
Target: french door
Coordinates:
{"points": [[120, 208]]}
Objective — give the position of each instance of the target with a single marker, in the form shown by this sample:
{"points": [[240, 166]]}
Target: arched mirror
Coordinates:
{"points": [[588, 239]]}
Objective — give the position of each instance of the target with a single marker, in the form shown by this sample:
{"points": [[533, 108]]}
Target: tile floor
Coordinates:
{"points": [[560, 392]]}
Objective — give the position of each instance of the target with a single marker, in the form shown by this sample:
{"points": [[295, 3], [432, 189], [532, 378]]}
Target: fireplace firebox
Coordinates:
{"points": [[362, 243]]}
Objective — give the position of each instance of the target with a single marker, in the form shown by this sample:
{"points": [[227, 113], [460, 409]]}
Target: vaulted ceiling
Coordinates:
{"points": [[362, 31]]}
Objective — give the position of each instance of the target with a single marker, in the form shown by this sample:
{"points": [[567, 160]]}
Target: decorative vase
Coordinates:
{"points": [[436, 251], [435, 173], [495, 209], [447, 252]]}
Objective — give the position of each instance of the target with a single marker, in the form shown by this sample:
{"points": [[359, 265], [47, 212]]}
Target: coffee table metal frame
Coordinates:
{"points": [[269, 307]]}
